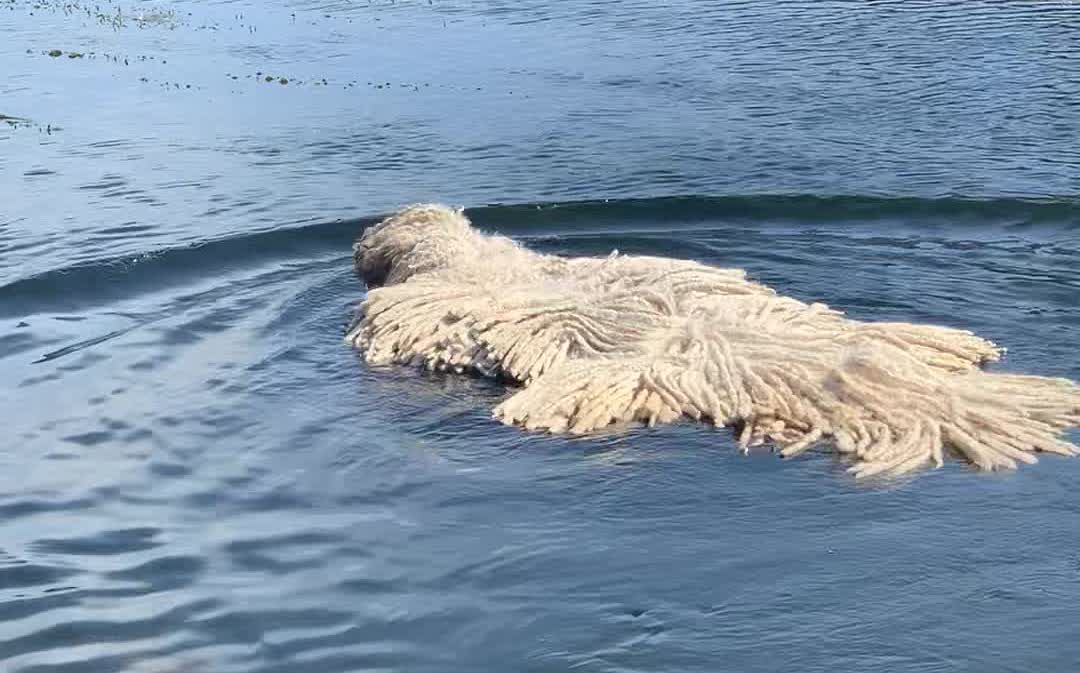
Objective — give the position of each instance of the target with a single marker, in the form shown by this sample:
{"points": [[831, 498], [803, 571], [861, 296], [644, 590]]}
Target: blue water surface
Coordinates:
{"points": [[198, 476]]}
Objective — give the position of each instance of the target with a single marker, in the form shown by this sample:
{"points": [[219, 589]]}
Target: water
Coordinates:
{"points": [[197, 475]]}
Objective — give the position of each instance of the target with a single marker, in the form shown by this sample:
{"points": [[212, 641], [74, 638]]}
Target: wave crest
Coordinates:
{"points": [[601, 341]]}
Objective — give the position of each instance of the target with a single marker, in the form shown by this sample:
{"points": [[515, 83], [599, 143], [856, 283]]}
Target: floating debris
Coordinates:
{"points": [[23, 122], [156, 17], [116, 19], [109, 12], [12, 121]]}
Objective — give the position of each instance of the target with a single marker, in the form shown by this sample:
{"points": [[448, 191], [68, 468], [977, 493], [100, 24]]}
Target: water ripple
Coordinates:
{"points": [[199, 475]]}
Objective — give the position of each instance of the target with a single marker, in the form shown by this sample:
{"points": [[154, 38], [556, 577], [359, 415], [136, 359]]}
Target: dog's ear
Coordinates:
{"points": [[369, 262], [418, 237]]}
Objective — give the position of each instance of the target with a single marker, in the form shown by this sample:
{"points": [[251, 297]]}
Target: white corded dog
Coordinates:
{"points": [[597, 341]]}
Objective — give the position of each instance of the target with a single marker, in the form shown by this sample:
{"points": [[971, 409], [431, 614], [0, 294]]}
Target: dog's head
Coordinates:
{"points": [[413, 240]]}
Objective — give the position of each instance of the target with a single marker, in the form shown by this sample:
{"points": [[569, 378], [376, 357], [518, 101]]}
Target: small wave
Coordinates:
{"points": [[800, 208], [97, 283], [85, 285]]}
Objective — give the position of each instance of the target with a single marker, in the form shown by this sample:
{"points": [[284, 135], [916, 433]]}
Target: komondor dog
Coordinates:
{"points": [[597, 341]]}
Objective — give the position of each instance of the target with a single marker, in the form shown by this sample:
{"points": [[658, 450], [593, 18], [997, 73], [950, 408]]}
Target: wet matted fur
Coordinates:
{"points": [[597, 341]]}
